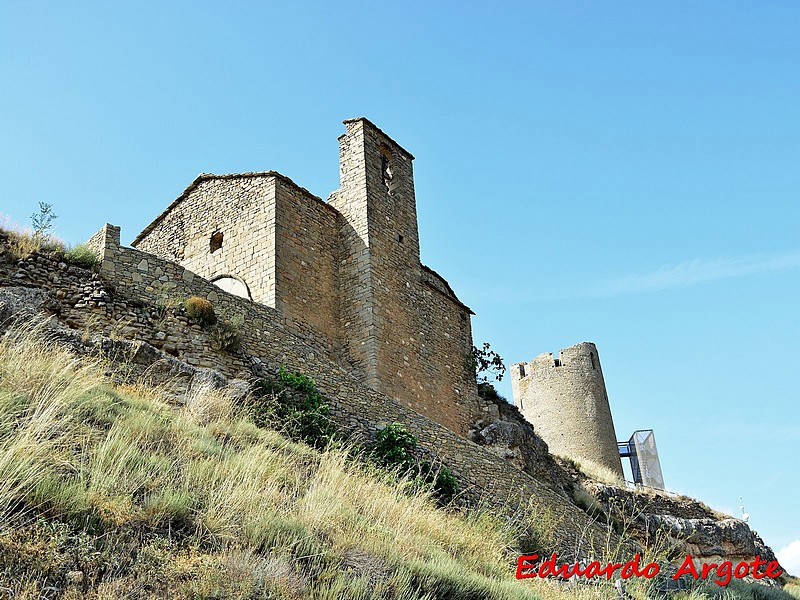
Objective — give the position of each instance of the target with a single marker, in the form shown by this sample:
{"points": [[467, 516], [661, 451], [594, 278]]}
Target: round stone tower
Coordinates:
{"points": [[565, 400]]}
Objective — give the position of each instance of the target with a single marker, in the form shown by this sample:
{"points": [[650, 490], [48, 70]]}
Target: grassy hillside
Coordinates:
{"points": [[112, 493]]}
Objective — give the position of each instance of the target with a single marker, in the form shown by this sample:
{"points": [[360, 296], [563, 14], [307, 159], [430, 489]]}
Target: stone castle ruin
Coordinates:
{"points": [[336, 290], [348, 271], [565, 399]]}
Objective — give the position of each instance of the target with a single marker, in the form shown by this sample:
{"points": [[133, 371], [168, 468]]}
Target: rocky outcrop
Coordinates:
{"points": [[25, 302], [690, 526], [506, 433], [710, 540]]}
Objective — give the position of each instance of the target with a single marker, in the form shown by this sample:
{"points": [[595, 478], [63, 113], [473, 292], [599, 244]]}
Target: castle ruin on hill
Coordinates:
{"points": [[565, 399], [336, 290], [348, 269], [348, 272]]}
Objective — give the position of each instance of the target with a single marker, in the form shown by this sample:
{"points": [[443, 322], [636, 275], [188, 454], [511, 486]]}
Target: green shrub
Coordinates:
{"points": [[200, 310], [81, 255], [394, 449], [394, 446], [484, 363], [445, 484], [488, 392], [293, 405]]}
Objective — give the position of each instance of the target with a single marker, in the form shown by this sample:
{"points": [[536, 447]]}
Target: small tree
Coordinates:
{"points": [[42, 222], [485, 363]]}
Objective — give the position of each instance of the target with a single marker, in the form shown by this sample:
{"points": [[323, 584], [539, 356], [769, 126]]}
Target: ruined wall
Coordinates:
{"points": [[565, 400], [148, 278]]}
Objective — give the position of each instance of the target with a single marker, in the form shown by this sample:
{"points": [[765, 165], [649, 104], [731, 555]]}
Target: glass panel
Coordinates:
{"points": [[649, 467]]}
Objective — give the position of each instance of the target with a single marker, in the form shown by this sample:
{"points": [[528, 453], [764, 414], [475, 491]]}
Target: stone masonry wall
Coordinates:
{"points": [[418, 339], [359, 344], [346, 274], [306, 263], [124, 301], [239, 207], [565, 400], [449, 394]]}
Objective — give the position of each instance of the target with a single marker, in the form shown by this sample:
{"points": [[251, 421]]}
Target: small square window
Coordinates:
{"points": [[216, 241]]}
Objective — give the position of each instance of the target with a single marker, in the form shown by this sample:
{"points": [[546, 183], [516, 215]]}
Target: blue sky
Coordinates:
{"points": [[618, 173]]}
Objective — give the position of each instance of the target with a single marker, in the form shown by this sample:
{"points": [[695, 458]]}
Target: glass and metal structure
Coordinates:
{"points": [[642, 451]]}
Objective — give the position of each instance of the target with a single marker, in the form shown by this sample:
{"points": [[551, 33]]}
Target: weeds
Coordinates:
{"points": [[596, 471], [225, 334], [24, 241], [81, 255], [394, 449], [293, 405], [200, 310], [43, 221]]}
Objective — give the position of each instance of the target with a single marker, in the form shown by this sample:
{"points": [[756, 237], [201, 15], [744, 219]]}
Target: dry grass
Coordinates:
{"points": [[110, 493], [39, 385], [23, 241], [597, 471], [793, 587], [237, 508]]}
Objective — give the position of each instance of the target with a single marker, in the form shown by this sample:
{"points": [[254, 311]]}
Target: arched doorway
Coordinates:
{"points": [[233, 285]]}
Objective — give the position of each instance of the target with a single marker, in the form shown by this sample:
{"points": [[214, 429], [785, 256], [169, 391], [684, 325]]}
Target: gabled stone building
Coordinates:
{"points": [[345, 273]]}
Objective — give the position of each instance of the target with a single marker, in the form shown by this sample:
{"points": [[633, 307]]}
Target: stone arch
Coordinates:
{"points": [[233, 285]]}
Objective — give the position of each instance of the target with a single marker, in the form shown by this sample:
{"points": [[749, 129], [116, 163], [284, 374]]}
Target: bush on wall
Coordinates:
{"points": [[292, 404], [394, 449], [200, 310]]}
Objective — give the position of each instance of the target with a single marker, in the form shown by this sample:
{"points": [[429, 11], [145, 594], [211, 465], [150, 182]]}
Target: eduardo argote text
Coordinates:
{"points": [[721, 573]]}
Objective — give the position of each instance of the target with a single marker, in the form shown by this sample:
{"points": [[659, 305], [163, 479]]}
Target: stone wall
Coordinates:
{"points": [[403, 320], [306, 263], [126, 301], [565, 400], [359, 344], [445, 335], [221, 226]]}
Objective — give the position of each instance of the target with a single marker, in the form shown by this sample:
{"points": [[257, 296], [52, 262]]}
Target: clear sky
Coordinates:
{"points": [[611, 172]]}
